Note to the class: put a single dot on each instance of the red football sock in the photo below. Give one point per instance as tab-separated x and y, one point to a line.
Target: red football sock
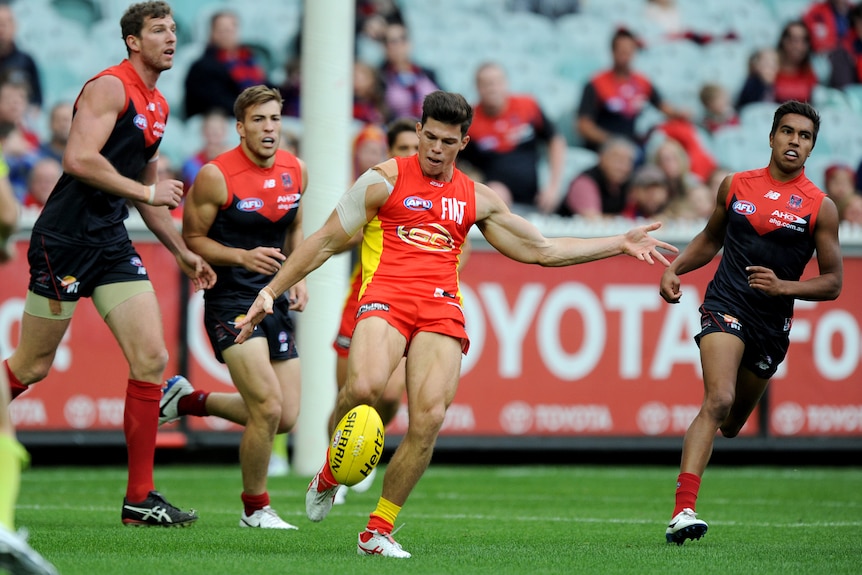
194	403
140	424
16	388
377	523
687	486
254	502
327	479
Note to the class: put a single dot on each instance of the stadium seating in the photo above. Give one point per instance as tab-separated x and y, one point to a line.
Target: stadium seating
552	59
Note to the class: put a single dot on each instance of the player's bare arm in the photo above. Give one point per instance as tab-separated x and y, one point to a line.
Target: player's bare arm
825	286
100	103
159	221
518	239
356	208
700	250
204	200
297	294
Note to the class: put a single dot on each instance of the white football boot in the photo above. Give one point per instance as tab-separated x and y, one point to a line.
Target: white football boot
374	543
19	558
174	389
685	525
319	503
265	518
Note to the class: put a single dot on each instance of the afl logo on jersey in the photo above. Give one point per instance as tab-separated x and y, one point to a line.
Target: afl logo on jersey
417	204
744	208
249	205
140	122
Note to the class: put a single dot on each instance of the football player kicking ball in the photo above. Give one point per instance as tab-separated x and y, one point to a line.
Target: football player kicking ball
769	221
416	213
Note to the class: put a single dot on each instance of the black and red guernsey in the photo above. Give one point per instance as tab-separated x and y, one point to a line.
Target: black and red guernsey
769	224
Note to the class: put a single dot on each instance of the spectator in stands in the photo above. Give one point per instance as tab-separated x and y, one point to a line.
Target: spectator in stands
406	83
368	100
505	139
224	70
372	19
16	64
850	210
759	85
828	23
59	125
20	144
613	99
214	133
718	111
290	88
13	108
550	8
673	161
839	182
601	190
648	193
846	59
43	177
373	16
369	149
289	141
796	77
9	209
713	181
697	204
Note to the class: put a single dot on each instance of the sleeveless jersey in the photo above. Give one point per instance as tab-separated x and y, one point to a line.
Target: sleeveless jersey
261	205
81	214
414	242
769	224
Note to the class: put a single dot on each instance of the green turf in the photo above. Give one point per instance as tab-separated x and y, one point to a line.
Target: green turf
464	520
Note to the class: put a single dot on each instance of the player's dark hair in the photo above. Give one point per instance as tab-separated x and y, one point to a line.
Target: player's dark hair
255	96
449	108
800	108
132	22
397	127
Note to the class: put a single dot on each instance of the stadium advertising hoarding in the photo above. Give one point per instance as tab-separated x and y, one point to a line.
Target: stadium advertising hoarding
590	350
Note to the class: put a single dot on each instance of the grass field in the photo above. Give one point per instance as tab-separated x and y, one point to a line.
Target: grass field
464	520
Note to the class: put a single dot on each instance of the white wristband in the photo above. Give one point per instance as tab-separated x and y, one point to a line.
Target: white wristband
152	194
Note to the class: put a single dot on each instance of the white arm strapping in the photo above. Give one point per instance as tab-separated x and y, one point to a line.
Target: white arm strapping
351	206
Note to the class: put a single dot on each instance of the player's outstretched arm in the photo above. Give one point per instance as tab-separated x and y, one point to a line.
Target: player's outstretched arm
699	250
518	239
308	256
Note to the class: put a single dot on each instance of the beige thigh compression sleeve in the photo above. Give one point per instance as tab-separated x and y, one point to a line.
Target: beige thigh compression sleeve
40	306
109	296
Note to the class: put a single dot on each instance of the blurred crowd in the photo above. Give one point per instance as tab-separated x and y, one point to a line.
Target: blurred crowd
599	166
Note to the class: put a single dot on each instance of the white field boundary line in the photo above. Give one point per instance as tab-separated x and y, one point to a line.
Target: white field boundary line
488	518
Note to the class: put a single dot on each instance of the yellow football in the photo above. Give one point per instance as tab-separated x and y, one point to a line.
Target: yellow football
357	445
